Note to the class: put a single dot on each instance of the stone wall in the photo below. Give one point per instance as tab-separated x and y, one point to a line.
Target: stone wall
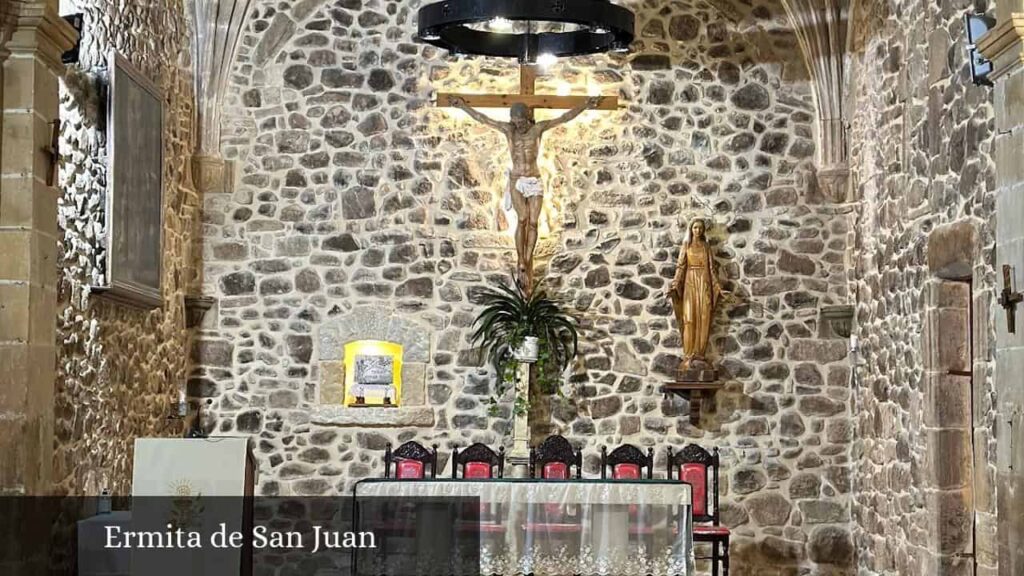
1003	48
32	38
921	149
353	190
119	368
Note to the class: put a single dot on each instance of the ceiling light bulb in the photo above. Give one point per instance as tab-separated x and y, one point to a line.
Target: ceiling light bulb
500	24
546	60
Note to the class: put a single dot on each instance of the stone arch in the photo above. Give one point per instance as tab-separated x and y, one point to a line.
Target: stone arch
953	250
374	323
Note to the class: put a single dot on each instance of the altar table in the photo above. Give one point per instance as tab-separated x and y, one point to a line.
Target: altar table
556	527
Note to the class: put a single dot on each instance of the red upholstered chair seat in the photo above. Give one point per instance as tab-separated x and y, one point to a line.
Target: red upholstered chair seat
706	531
627	462
477	470
478	462
556	471
696	475
409	469
703	529
489	528
626	471
553	521
553	527
482	470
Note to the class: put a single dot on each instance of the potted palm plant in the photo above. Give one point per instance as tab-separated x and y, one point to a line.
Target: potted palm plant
514	328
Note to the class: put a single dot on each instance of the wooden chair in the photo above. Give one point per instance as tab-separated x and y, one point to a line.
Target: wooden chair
692	465
555	458
480	462
411	461
627	462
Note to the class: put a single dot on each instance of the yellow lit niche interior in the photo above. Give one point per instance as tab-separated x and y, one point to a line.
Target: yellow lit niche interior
365	373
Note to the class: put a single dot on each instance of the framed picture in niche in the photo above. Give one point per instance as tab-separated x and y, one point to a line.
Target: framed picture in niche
134	203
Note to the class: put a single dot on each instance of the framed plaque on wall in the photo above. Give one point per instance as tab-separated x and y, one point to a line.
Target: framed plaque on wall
134	203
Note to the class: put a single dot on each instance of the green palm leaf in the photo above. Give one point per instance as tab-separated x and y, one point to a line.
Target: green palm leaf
508	316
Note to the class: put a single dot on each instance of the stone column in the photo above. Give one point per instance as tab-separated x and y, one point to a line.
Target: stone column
519	457
1004	46
217	27
820	27
28	248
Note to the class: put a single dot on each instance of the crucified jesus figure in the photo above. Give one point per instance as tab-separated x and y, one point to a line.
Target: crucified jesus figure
524	183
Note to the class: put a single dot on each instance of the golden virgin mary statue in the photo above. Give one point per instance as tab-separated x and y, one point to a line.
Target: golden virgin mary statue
695	293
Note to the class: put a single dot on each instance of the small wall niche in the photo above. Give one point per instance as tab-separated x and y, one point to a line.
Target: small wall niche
373	352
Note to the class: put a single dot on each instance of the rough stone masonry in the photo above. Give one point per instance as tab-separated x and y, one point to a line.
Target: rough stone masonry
354	191
360	210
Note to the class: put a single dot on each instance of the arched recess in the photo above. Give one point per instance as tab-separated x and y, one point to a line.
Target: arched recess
376	323
821	29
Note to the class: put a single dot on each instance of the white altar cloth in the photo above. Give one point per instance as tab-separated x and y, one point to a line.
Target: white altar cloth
551	528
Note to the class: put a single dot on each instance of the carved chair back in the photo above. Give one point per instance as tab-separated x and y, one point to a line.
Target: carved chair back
411	461
694	465
555	456
478	461
627	462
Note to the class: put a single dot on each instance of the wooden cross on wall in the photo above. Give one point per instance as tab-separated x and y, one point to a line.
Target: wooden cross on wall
525	144
527	95
53	151
1009	299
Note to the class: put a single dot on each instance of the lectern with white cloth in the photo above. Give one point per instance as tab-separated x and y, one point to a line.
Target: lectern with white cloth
194	484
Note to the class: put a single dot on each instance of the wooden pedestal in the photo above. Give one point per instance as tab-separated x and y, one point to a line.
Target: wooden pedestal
695	391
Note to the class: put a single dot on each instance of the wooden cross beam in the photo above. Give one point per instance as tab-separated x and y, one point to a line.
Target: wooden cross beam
1009	299
527	95
53	151
523	147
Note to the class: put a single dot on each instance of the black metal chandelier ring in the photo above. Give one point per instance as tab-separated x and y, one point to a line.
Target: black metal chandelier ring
525	29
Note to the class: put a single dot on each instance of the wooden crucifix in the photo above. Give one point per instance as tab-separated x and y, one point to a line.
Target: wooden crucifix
53	151
1009	299
524	134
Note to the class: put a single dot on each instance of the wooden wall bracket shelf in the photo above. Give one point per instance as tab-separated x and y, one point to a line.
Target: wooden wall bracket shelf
694	392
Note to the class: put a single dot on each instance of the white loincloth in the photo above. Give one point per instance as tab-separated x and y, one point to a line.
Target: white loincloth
529	186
